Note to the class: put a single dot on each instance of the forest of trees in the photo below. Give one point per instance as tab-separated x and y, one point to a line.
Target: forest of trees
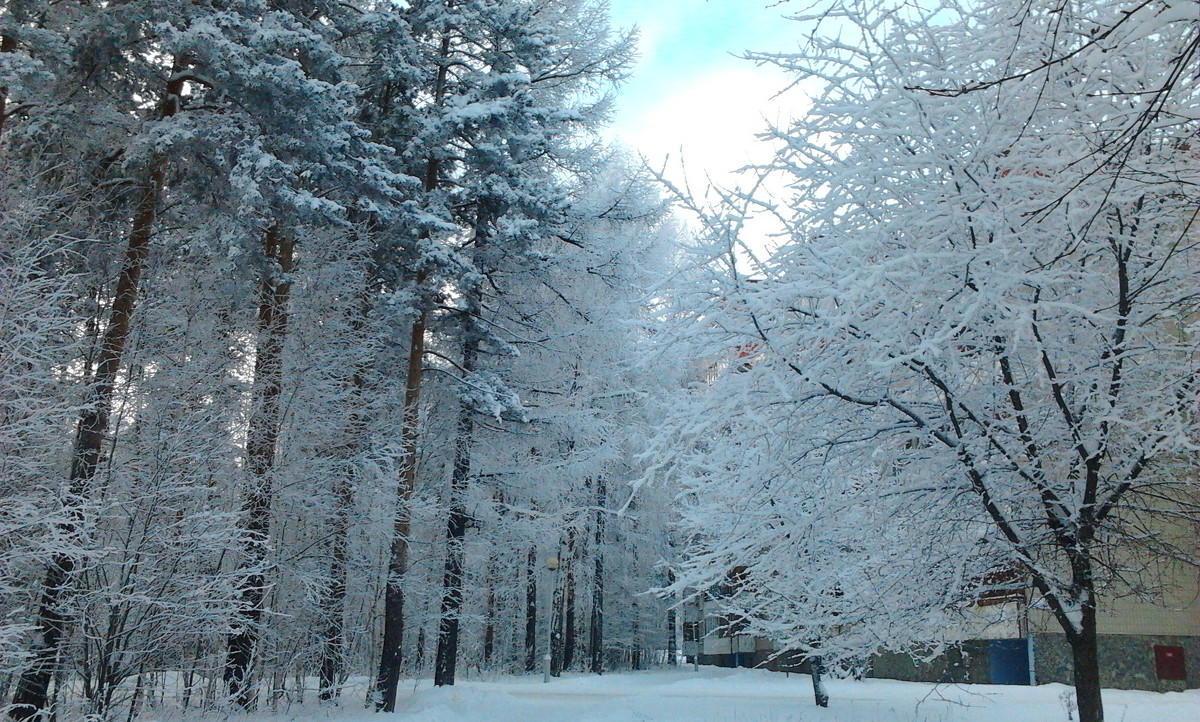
316	345
335	341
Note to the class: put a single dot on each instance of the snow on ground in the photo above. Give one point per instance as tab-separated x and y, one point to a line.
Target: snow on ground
742	695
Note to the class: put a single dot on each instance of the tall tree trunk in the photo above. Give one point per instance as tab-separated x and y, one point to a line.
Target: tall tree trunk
568	644
489	623
672	628
456	525
569	635
456	530
596	631
391	657
262	439
556	618
32	695
531	572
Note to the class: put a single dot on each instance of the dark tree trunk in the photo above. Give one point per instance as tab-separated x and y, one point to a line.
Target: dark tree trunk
635	655
1077	618
672	625
556	625
1086	666
391	656
596	631
262	438
32	696
569	637
456	530
531	610
568	644
460	475
816	669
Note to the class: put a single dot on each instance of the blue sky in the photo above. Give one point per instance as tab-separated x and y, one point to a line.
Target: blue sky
682	40
690	96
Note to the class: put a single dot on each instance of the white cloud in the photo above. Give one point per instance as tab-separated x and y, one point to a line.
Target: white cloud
692	101
703	132
711	123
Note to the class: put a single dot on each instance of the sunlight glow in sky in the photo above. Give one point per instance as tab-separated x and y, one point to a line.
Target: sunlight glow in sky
690	97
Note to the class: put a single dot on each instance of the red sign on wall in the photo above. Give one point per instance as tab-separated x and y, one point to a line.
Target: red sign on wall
1169	662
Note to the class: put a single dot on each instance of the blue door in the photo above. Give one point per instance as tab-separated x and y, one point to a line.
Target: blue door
1009	661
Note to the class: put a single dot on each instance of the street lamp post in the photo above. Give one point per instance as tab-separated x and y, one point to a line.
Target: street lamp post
552	565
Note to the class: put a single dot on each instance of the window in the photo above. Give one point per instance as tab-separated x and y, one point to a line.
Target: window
1001	585
1169	662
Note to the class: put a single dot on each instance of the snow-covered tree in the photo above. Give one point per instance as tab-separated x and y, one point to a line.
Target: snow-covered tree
578	327
981	322
38	317
239	237
238	116
509	93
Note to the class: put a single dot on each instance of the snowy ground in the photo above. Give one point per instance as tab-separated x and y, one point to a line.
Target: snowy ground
726	695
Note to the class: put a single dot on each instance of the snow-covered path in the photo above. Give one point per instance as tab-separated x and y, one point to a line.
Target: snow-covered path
725	695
